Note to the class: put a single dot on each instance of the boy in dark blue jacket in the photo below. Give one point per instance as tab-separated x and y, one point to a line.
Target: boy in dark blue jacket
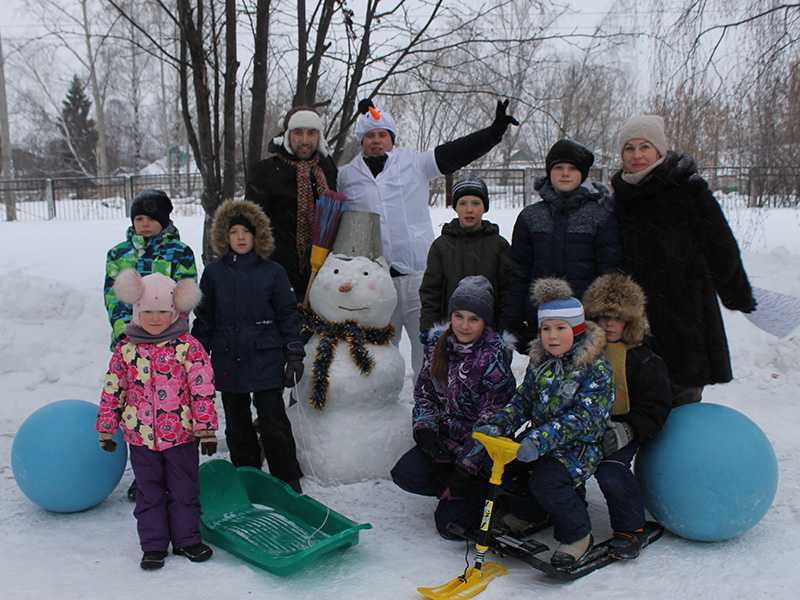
248	322
571	234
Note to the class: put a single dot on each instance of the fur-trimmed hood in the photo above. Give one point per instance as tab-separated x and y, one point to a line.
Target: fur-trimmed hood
617	295
264	243
584	353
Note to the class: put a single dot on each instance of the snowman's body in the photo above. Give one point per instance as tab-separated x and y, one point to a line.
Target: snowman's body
364	428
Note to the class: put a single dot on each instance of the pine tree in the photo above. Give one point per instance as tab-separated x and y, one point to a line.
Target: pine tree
78	133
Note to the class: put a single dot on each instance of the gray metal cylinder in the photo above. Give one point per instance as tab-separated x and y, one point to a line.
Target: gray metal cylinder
359	235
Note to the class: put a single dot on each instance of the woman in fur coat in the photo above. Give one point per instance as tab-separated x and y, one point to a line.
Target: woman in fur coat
679	247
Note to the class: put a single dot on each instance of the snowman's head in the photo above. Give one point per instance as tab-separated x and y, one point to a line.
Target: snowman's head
354	289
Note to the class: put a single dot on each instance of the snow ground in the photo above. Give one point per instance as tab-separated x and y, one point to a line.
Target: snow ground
53	345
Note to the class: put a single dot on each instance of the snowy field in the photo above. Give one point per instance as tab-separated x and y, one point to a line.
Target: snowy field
54	345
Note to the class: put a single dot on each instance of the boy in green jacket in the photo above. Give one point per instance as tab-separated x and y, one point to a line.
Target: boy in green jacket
152	245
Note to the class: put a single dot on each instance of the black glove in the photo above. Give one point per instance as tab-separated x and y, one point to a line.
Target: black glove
751	308
618	435
523	341
501	119
108	445
293	372
428	441
364	105
457	485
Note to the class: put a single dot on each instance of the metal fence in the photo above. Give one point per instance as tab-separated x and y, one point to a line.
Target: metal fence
89	198
85	198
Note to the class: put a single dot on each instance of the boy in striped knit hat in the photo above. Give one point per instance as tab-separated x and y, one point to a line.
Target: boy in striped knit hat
559	415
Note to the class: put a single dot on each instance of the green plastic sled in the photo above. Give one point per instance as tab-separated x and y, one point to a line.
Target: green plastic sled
265	522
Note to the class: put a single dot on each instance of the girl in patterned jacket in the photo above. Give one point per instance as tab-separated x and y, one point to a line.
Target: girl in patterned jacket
160	389
559	415
465	379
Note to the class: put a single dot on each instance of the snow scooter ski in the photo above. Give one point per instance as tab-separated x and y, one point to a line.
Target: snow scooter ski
475	579
527	549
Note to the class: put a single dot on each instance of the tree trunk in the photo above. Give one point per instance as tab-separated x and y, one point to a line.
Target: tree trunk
98	96
201	141
320	47
302	59
5	131
229	103
258	109
5	140
349	102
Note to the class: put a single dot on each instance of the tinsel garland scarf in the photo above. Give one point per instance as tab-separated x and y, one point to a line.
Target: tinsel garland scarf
330	334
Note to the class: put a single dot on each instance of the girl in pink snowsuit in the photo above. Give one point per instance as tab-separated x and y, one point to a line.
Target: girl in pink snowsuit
160	389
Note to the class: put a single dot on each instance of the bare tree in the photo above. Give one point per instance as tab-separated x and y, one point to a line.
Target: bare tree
83	29
258	90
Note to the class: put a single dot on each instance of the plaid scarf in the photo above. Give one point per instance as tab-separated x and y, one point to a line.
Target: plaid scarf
330	334
305	204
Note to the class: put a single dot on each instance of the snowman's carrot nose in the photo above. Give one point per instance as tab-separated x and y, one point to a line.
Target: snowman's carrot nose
345	287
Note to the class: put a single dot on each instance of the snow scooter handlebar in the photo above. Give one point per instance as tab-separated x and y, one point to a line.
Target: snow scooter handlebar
475	579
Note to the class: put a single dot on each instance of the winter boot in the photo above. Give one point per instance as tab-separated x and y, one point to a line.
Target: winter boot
132	491
295	485
153	560
568	556
626	545
199	552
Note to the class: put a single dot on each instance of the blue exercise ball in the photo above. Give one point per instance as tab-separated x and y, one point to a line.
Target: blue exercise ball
57	460
709	475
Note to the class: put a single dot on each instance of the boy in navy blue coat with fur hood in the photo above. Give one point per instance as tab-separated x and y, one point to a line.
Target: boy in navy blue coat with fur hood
248	322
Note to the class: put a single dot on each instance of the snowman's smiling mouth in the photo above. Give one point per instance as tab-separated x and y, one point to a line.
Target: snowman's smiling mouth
353	309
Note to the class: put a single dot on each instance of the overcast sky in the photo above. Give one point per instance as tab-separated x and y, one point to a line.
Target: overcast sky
14	23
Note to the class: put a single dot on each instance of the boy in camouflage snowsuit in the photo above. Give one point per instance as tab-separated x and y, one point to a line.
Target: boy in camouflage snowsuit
562	408
153	245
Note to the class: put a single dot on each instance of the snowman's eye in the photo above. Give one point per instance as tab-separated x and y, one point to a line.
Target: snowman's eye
366	274
336	271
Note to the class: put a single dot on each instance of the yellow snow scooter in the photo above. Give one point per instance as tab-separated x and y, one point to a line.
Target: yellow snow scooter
475	579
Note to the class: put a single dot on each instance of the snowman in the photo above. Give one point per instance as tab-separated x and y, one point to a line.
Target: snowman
349	422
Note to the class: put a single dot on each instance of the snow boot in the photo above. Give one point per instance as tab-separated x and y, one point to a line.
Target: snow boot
198	552
132	491
568	556
626	545
152	560
295	485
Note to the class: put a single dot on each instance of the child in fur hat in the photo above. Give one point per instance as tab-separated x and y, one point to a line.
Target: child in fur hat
559	415
248	320
160	389
152	245
642	404
466	377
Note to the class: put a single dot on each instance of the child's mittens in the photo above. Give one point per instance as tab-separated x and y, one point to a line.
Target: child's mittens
293	372
208	442
428	441
106	443
618	435
528	450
